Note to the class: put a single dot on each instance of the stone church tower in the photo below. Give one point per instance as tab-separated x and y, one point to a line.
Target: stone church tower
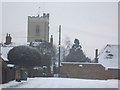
38	28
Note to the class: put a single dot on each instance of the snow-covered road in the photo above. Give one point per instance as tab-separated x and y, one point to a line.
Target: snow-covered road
61	83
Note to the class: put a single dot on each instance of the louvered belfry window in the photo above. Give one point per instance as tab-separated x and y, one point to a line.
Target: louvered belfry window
37	29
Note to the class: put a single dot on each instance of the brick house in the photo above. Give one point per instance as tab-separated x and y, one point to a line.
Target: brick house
8	70
106	66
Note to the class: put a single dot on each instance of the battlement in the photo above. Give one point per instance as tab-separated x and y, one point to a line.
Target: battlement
43	16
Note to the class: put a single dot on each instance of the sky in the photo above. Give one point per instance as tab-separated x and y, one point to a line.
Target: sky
95	24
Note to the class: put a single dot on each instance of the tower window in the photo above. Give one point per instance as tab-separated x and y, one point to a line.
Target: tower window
37	29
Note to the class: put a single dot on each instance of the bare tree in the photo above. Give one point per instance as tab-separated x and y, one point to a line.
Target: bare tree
48	54
66	48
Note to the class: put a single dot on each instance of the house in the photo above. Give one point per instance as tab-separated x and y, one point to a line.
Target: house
8	71
105	66
109	58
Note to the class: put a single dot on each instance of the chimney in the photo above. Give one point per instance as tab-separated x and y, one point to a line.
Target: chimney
43	14
48	15
6	42
96	56
51	40
8	39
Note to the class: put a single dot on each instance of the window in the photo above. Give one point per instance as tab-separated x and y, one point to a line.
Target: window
37	29
107	51
109	56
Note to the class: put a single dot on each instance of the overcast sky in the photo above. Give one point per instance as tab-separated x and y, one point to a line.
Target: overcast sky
95	24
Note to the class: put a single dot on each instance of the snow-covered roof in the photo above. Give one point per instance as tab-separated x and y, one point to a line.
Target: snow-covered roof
4	52
77	63
108	57
15	44
10	65
36	43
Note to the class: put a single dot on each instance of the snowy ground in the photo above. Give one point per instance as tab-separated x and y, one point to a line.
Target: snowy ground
61	83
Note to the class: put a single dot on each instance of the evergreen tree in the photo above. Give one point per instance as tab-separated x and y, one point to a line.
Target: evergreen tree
24	55
76	54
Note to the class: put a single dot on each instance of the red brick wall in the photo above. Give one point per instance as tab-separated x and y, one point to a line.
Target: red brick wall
87	71
113	73
34	73
8	75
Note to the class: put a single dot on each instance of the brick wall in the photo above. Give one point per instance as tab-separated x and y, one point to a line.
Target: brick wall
34	73
113	73
8	75
83	71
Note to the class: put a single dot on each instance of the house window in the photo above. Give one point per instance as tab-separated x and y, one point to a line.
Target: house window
109	56
107	51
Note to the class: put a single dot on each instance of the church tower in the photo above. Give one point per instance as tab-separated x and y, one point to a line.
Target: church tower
38	28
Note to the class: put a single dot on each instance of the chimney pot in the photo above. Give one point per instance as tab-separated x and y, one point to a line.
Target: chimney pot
48	15
96	55
51	40
8	39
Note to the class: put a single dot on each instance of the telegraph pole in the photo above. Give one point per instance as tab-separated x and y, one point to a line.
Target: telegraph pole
59	49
